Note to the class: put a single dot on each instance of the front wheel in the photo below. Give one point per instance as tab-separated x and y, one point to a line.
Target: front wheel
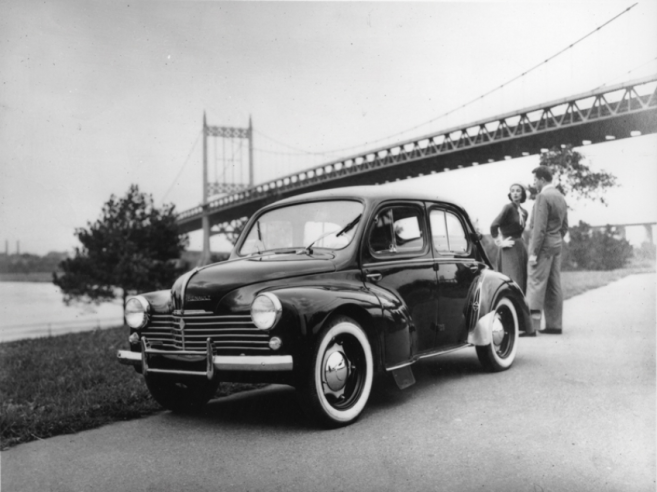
500	353
338	381
181	394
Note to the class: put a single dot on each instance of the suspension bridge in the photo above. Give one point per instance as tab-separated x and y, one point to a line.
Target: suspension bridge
614	112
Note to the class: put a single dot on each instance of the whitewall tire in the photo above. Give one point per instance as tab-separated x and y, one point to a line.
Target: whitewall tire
339	376
501	352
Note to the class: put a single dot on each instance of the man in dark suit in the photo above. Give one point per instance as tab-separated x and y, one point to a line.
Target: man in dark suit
549	224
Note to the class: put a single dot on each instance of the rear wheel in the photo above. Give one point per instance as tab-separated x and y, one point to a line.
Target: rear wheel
338	380
181	394
500	353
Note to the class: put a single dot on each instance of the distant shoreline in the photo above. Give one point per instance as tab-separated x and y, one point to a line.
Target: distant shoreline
45	277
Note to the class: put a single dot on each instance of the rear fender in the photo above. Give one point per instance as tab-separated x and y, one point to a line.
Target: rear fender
491	287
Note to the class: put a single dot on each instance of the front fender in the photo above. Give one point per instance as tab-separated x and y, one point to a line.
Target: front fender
313	306
159	301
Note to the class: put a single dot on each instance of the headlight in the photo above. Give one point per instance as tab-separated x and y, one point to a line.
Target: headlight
266	311
136	312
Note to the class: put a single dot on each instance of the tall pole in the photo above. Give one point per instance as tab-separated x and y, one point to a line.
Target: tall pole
205	255
250	153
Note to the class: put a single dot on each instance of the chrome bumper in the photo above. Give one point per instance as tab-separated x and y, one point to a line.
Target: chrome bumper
255	363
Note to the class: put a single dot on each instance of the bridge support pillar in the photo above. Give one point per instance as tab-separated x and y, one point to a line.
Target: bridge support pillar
649	237
216	187
206	255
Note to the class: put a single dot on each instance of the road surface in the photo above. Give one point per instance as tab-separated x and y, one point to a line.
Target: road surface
576	412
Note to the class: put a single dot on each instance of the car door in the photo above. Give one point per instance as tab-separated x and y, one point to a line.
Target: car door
456	270
397	257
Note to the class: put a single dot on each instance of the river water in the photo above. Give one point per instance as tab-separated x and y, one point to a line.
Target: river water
36	309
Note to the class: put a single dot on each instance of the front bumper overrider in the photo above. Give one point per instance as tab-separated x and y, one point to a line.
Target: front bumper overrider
249	363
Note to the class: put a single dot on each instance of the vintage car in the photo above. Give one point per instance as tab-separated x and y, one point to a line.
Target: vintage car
322	291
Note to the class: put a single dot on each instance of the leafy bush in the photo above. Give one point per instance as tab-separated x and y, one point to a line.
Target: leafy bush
597	250
647	251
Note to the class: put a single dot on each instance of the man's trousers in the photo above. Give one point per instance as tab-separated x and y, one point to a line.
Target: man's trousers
544	289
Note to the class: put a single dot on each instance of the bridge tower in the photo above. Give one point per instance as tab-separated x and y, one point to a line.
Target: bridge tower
216	187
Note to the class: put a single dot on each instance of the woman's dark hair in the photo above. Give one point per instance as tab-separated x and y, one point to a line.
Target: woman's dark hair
523	196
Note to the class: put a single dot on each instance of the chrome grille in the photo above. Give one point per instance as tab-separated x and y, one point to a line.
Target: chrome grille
228	333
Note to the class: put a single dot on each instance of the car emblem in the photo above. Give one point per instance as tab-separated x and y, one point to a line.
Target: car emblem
181	324
198	298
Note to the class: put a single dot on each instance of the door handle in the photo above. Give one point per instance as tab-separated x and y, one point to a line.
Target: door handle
374	277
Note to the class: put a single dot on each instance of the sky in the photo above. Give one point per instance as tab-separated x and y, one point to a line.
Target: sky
98	95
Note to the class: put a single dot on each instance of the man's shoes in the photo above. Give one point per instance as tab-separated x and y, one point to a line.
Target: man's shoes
551	331
526	334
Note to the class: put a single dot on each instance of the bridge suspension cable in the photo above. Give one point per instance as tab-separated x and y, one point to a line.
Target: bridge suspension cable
275	152
182	168
482	96
627	73
300	151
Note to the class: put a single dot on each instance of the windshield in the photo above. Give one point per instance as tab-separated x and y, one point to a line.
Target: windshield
301	227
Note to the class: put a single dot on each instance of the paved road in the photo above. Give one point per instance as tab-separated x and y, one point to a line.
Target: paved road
575	413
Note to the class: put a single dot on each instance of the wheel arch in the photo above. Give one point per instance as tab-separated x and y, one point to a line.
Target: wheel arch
368	324
511	291
520	303
492	286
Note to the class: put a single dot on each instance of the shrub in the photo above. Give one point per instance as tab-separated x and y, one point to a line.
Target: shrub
598	250
647	251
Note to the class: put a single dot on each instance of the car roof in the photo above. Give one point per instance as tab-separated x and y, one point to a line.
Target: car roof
372	193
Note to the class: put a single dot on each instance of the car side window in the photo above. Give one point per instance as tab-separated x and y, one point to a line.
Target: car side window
457	240
447	233
397	230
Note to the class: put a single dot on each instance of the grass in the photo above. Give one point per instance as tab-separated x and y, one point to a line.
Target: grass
69	383
574	283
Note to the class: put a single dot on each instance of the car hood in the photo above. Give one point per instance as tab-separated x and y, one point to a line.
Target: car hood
205	287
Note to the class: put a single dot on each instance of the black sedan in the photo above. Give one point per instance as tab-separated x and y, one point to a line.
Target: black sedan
322	291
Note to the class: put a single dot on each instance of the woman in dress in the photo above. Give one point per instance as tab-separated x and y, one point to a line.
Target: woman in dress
507	231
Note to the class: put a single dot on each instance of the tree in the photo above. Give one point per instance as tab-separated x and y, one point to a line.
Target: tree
131	248
232	229
572	177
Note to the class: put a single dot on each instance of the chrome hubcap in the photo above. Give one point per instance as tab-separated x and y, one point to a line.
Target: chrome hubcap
336	371
498	330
